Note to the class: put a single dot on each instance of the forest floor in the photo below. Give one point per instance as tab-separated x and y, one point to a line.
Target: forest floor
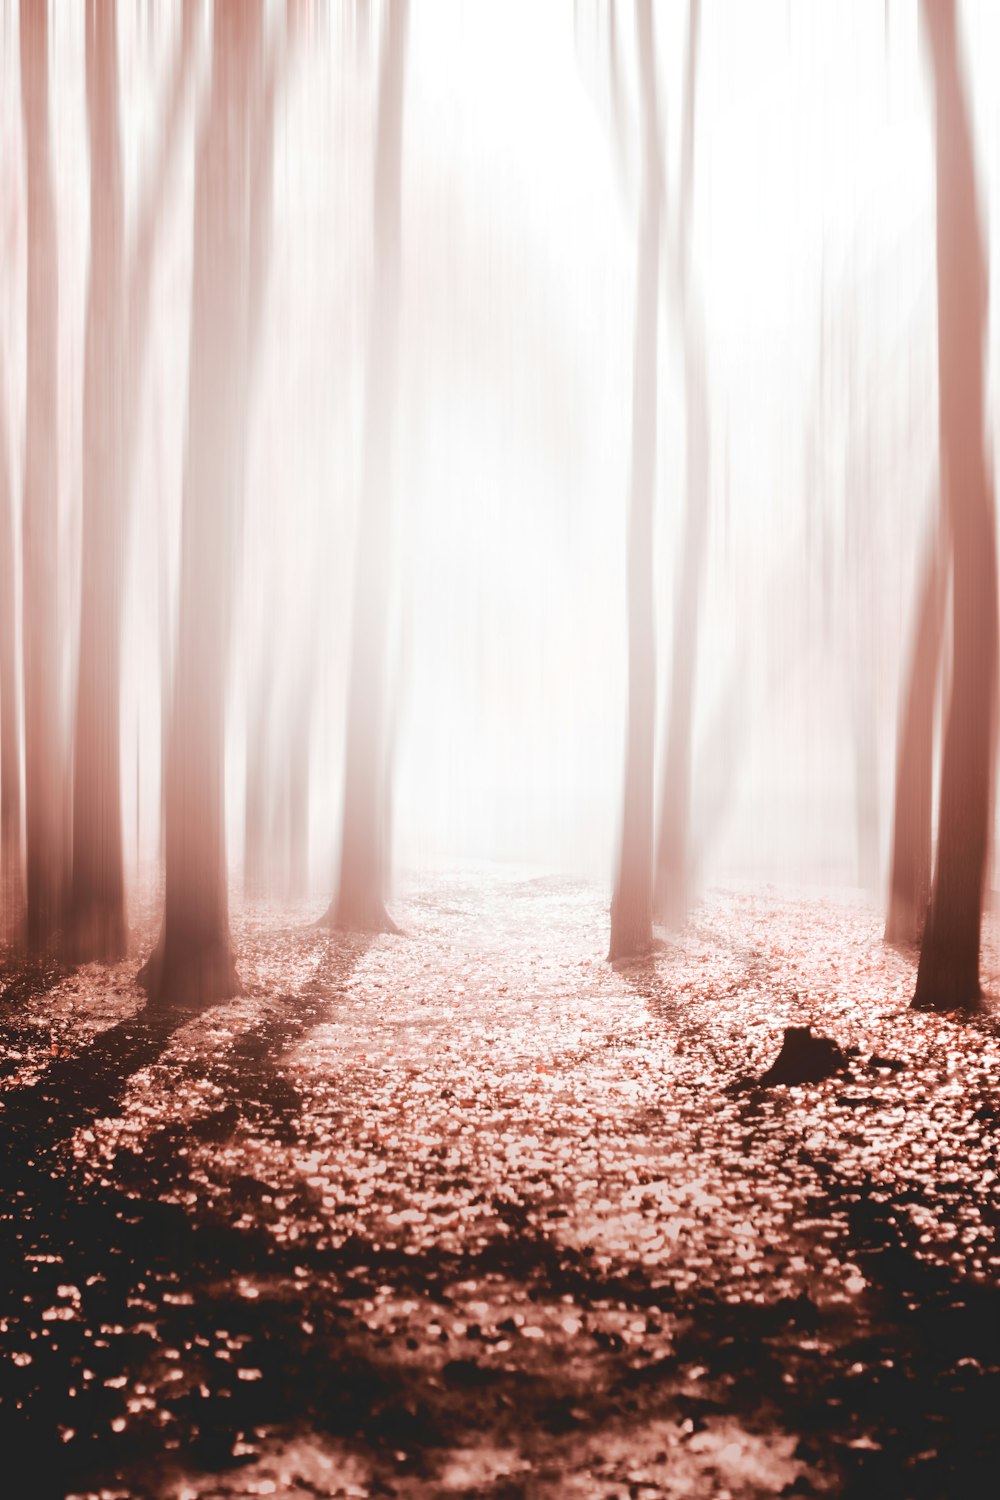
469	1212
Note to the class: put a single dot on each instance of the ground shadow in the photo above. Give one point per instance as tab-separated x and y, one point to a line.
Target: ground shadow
115	1271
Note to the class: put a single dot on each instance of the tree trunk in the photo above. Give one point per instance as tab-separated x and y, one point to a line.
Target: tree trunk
673	861
297	887
98	884
948	974
910	870
118	315
671	890
257	798
866	799
44	784
360	901
193	963
11	874
632	901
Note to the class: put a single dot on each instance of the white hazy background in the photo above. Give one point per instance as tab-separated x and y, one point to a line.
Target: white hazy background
813	241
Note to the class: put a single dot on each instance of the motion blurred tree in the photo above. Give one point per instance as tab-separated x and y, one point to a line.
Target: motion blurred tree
11	880
193	962
910	870
258	807
948	973
98	897
359	904
671	889
632	899
43	731
118	316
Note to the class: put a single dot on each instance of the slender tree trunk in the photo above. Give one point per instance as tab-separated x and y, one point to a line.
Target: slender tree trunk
98	887
44	786
295	777
258	810
632	900
256	804
673	860
11	874
866	814
298	805
671	890
910	870
118	315
359	904
193	963
948	974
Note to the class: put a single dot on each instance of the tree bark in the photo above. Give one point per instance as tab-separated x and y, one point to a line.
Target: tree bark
910	869
359	904
118	315
43	731
671	890
948	973
97	906
257	799
193	963
632	900
11	873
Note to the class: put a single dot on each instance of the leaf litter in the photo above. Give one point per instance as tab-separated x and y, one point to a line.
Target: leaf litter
471	1212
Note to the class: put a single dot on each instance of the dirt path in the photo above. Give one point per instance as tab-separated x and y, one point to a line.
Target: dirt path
468	1212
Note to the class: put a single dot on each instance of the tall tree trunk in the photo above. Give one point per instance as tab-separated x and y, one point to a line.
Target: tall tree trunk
258	808
866	799
671	890
297	887
98	888
257	798
673	860
193	963
359	904
910	870
118	316
948	974
11	874
632	900
43	734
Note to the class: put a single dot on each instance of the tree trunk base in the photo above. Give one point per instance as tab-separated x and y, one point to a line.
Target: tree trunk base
632	945
903	927
357	916
97	934
945	987
189	979
670	906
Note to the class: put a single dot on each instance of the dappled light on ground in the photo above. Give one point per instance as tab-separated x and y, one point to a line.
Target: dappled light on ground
471	1212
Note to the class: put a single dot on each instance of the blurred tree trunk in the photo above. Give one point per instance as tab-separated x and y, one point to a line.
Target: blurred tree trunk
671	890
98	894
256	803
43	731
193	963
632	900
297	887
11	874
118	316
258	809
859	545
359	904
293	830
910	871
948	973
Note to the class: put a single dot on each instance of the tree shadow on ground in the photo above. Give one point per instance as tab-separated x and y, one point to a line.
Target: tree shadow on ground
893	1390
112	1274
24	978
